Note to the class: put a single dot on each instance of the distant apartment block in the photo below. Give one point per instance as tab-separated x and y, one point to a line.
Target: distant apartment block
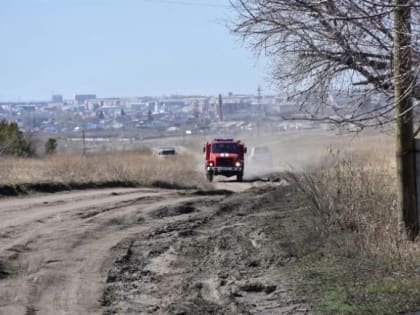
81	98
57	98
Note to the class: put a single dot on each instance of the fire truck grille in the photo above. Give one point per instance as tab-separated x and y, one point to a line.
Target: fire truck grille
224	162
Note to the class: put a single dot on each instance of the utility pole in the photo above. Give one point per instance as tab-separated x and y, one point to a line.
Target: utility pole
403	91
84	141
220	107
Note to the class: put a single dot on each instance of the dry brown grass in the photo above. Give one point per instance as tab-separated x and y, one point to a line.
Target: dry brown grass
137	167
353	194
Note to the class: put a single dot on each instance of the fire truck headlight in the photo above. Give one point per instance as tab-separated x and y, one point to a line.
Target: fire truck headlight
210	163
238	164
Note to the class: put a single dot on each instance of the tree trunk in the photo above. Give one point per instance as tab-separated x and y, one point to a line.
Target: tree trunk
403	79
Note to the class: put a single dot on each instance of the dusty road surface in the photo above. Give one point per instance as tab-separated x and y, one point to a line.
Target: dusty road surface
149	251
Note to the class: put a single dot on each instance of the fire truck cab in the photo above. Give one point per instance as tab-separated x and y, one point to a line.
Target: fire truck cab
224	156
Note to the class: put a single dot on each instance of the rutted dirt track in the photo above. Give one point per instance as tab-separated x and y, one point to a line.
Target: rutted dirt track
148	251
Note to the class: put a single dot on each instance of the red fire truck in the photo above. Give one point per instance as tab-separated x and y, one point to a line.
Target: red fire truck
224	156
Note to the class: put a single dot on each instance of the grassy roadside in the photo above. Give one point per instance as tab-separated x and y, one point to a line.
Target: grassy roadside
363	265
359	285
123	169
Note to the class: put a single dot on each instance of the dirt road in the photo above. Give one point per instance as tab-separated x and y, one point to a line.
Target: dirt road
147	251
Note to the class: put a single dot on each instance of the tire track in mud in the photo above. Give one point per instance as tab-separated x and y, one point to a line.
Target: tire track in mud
226	259
53	255
23	219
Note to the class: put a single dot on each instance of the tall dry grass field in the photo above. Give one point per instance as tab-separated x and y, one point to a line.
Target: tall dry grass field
136	167
352	193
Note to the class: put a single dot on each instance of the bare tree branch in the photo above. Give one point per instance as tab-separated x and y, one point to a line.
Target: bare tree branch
324	50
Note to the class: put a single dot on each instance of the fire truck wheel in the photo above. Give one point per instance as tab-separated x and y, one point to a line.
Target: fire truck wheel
239	177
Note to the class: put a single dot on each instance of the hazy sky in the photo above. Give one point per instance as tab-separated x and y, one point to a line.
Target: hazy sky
122	48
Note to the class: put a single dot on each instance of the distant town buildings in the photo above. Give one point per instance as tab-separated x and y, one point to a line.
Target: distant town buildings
170	115
81	98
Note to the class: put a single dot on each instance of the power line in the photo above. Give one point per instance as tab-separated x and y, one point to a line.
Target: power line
189	3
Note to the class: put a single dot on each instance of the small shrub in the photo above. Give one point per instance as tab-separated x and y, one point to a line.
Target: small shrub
51	146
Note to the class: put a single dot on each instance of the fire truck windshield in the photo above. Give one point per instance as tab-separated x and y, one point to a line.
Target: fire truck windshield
224	148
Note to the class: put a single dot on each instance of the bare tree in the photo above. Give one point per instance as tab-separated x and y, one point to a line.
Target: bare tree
359	49
326	48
